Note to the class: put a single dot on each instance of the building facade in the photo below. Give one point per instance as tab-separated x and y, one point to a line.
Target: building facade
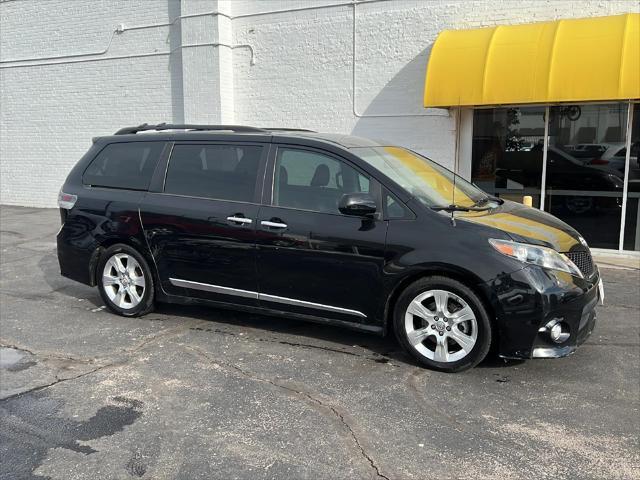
73	70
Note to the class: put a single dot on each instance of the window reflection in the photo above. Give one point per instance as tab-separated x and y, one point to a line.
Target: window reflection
585	170
584	181
507	152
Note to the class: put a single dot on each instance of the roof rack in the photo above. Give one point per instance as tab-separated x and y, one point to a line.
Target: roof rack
168	126
289	130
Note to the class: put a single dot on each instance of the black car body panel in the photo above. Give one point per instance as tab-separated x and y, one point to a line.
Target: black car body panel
319	266
529	225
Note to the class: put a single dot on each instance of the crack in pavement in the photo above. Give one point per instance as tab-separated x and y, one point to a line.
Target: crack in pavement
129	354
57	381
45	354
307	395
169	332
318	347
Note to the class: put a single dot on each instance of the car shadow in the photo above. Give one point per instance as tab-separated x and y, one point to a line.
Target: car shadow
380	349
230	322
50	269
345	340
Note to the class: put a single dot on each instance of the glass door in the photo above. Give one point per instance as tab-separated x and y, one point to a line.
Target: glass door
585	170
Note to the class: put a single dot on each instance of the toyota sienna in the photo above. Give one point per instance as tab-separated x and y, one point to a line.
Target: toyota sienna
325	228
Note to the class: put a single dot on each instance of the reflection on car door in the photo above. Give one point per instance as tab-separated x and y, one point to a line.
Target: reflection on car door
201	228
311	258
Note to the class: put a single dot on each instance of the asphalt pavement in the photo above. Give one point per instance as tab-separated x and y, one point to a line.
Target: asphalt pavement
192	392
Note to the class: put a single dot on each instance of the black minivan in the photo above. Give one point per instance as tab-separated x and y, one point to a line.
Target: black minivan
327	228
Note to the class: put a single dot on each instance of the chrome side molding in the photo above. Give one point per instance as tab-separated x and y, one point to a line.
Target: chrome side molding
303	303
207	287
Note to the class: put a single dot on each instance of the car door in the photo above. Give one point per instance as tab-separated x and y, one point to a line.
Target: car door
312	259
200	226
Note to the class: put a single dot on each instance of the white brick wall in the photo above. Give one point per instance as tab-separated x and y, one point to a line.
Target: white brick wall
302	76
49	113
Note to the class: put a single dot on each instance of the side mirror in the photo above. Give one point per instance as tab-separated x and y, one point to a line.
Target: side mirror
358	204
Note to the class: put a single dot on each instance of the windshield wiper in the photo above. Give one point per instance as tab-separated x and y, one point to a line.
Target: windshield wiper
456	208
483	201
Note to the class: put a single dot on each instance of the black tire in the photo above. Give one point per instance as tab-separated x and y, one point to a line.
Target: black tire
146	303
483	335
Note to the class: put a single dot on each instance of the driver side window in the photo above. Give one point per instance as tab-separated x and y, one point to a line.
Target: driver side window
313	181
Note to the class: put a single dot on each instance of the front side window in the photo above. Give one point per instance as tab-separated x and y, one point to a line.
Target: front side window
425	180
124	165
222	172
313	181
395	208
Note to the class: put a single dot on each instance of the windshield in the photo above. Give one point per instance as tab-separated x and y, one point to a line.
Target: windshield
427	181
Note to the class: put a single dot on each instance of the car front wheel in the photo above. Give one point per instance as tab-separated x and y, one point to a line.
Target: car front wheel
442	324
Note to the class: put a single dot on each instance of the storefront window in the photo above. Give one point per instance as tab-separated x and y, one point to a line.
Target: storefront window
585	165
632	219
507	152
585	169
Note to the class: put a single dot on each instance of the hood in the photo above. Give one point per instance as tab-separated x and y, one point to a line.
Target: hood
526	224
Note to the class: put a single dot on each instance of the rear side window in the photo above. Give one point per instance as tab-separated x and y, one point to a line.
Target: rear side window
222	172
124	165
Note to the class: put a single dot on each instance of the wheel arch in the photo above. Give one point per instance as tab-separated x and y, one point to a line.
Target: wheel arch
107	242
460	274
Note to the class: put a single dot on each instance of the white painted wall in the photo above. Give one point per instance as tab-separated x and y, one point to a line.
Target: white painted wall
302	76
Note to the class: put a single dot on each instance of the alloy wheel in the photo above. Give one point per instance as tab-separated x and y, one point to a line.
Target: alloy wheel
123	280
441	326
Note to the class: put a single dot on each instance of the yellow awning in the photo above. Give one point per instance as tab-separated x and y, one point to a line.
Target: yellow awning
587	59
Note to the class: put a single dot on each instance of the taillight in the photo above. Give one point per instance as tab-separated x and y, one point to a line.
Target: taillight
599	161
66	200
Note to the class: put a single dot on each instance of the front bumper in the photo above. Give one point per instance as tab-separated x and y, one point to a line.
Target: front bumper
527	300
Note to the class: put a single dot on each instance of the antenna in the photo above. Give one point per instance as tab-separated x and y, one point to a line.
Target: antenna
453	200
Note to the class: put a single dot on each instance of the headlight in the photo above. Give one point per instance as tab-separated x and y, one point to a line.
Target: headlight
541	256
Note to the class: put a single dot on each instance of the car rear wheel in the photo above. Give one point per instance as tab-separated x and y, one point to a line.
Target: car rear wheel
443	324
125	281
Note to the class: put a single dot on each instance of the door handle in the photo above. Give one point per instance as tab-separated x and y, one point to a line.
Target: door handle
267	223
235	219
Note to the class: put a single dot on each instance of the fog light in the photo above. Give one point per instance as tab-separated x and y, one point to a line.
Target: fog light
555	332
558	331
